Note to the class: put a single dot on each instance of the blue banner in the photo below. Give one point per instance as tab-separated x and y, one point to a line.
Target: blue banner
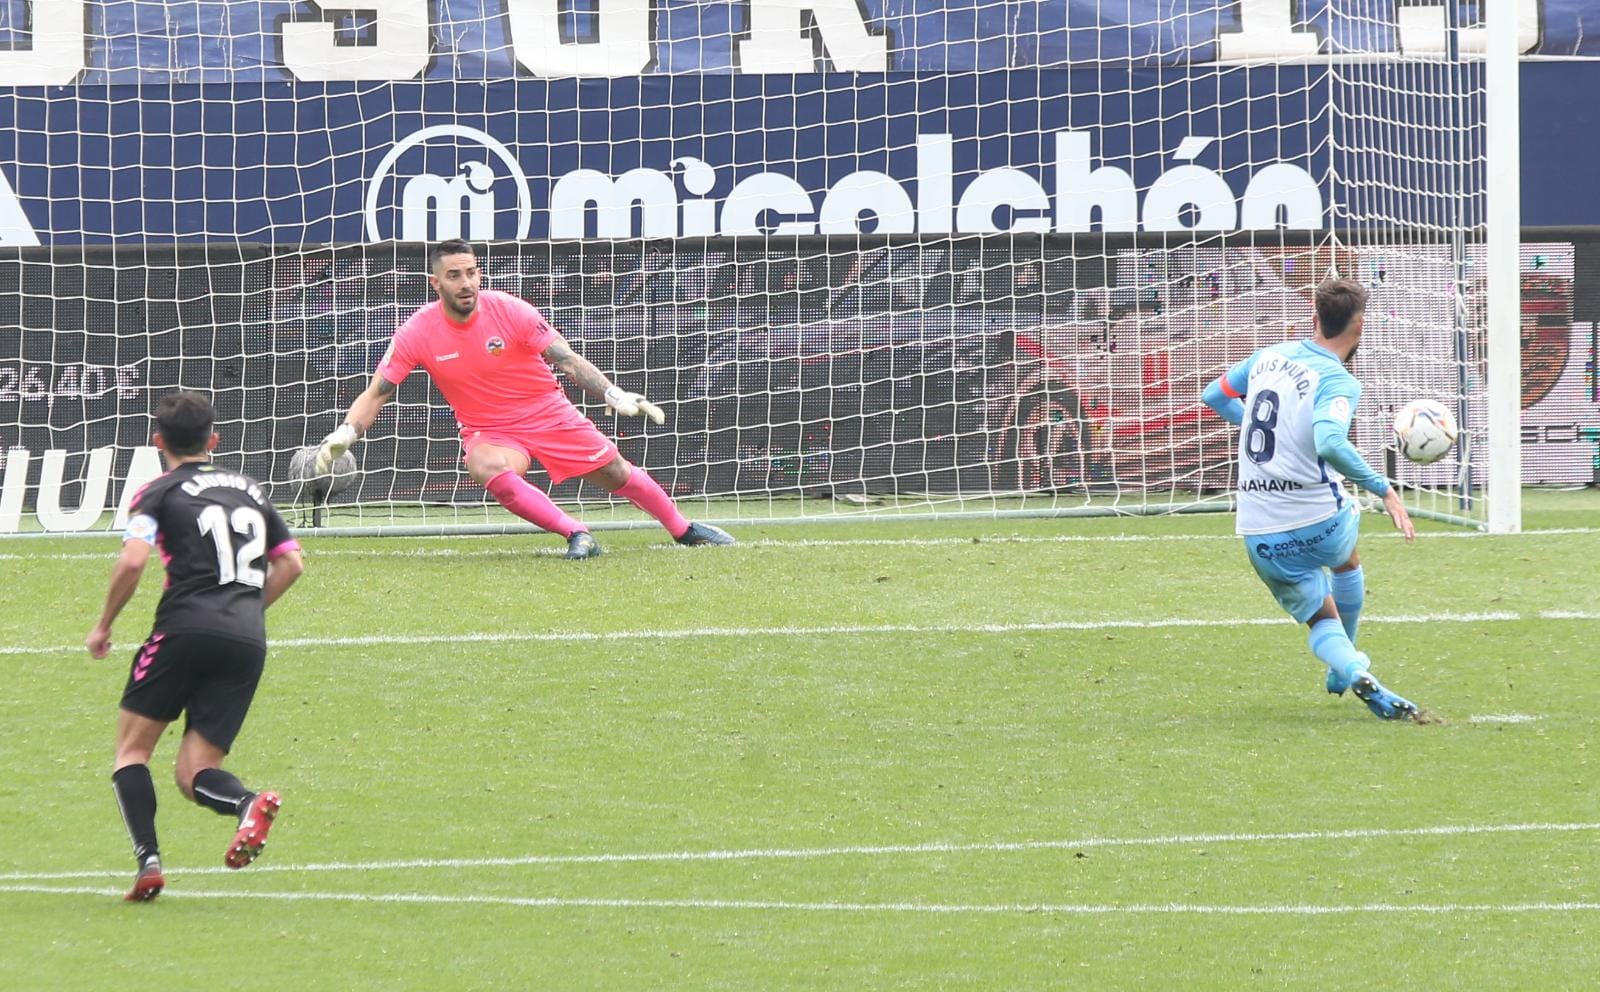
155	41
1106	150
279	122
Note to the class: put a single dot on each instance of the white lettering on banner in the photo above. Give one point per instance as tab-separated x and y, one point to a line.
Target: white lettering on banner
754	197
1190	186
1080	189
146	465
998	188
623	48
778	41
32	381
446	201
936	182
648	203
782	37
430	199
1268	31
613	200
867	194
1282	187
96	477
698	179
402	35
12	488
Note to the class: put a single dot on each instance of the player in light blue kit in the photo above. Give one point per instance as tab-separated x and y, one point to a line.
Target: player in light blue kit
1294	402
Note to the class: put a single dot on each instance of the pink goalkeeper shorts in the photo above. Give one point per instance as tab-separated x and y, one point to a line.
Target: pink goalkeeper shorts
567	446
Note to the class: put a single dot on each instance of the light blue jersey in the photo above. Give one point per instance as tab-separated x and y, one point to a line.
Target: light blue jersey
1294	402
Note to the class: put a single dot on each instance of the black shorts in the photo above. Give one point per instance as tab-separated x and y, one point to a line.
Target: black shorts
211	676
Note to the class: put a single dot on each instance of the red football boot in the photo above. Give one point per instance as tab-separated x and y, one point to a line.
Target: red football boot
253	827
148	883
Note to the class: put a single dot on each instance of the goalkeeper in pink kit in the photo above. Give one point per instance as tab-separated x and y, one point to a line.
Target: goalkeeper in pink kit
491	355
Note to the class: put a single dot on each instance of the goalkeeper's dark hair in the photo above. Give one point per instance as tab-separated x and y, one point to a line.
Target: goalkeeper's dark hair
184	419
454	246
1339	302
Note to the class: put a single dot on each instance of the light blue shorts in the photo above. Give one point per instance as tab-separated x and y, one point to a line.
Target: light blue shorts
1292	563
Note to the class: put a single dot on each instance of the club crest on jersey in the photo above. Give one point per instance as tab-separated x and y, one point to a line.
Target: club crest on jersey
495	345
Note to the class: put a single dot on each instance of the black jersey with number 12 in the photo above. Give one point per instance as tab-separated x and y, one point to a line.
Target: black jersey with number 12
216	530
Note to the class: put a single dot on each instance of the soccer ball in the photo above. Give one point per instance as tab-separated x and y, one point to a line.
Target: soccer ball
1425	431
309	487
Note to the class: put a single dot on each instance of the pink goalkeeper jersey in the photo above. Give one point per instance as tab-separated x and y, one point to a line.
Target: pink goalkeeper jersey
491	369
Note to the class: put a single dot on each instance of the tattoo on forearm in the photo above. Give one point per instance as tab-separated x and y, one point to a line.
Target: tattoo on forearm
558	354
360	422
579	369
588	378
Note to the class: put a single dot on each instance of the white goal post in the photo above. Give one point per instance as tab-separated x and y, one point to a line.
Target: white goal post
1504	236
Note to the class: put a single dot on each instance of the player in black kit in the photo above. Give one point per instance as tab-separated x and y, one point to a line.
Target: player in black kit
228	556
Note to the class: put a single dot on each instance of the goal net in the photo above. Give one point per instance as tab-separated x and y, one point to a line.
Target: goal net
899	258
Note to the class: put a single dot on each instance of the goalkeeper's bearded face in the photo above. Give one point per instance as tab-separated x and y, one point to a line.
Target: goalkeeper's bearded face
456	279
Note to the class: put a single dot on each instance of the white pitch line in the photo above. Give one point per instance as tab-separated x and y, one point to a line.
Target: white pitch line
1502	718
868	850
838	630
904	542
555	551
1022	908
521	549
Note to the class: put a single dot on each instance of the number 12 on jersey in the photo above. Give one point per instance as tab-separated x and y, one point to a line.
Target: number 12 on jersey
247	523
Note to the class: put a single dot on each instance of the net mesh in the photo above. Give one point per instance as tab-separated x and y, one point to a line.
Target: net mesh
855	291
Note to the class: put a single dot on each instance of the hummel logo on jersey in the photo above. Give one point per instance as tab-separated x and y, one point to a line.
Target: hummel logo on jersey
147	654
599	453
446	358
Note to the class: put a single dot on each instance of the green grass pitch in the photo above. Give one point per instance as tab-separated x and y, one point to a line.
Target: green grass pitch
1080	754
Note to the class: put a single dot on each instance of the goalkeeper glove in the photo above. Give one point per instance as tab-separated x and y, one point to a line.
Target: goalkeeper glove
333	446
633	405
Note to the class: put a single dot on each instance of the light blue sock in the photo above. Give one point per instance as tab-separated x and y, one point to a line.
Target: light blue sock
1332	645
1349	592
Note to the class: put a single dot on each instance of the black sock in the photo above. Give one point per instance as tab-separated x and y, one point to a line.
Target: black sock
218	790
136	797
